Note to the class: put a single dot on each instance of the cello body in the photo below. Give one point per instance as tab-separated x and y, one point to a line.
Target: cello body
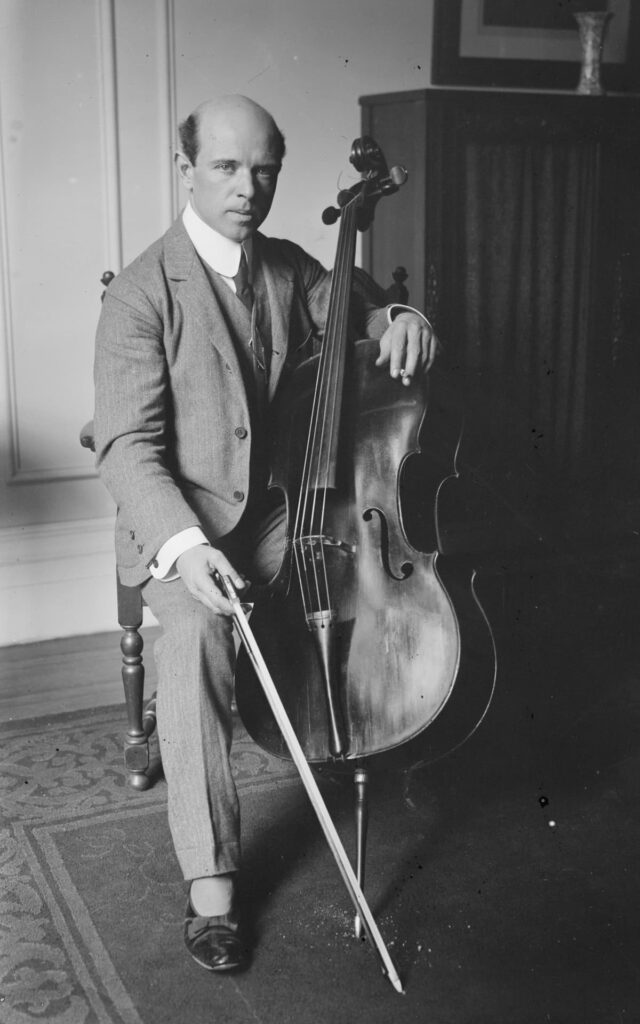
401	663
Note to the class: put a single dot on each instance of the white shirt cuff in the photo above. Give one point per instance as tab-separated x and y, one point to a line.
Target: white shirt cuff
163	566
397	307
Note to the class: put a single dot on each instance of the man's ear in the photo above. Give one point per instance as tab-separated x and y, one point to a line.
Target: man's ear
184	167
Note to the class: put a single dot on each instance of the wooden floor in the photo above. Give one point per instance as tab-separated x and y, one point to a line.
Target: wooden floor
71	674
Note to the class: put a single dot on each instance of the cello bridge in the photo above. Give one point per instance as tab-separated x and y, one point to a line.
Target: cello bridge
311	544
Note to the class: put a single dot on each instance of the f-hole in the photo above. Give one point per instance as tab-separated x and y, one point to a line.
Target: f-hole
406	568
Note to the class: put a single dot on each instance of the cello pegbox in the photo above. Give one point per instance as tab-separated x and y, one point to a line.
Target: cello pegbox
367	158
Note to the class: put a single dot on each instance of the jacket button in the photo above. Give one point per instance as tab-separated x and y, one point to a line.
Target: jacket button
238	495
241	432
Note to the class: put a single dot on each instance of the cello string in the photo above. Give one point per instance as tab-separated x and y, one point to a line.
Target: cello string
332	377
336	325
311	511
316	520
327	419
311	483
304	525
302	507
335	394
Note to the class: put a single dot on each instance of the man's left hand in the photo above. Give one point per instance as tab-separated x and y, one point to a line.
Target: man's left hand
409	346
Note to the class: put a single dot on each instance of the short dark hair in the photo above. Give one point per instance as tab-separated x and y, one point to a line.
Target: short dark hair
188	131
189	141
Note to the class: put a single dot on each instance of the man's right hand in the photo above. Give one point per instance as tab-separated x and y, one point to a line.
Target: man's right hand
196	567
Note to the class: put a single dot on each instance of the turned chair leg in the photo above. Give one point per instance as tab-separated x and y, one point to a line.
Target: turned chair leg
141	722
361	781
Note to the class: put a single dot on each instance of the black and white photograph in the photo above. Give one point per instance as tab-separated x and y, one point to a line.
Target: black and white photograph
319	511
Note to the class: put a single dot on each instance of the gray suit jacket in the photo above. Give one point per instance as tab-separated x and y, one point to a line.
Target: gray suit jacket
171	408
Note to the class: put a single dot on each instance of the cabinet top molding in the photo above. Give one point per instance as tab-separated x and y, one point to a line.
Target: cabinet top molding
551	97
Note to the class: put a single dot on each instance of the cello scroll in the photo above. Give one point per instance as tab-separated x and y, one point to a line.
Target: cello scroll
377	181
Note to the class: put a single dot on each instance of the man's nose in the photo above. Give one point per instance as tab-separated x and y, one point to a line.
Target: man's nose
246	184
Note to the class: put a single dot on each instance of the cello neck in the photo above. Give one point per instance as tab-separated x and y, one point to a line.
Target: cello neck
324	431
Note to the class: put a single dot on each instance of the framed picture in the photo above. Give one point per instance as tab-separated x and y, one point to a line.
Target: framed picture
531	44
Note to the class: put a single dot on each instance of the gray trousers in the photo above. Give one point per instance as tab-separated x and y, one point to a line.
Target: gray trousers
195	659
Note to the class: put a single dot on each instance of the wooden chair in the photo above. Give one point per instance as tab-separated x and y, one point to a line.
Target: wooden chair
141	718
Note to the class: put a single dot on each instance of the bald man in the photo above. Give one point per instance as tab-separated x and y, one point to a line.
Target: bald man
193	340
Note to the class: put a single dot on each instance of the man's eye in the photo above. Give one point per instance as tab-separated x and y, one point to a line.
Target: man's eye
268	173
225	165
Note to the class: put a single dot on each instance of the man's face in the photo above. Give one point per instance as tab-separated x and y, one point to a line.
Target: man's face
234	178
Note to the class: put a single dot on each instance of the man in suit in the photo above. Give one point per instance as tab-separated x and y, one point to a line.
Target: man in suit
193	339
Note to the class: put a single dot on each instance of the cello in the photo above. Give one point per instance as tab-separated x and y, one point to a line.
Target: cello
380	649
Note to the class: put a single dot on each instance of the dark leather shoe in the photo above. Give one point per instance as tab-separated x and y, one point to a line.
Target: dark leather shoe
215	942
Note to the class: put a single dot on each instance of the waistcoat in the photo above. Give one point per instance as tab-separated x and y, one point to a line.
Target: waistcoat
239	322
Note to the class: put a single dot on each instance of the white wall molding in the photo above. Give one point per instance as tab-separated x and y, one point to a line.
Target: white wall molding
57	580
106	56
7	318
168	110
38	476
23	545
110	133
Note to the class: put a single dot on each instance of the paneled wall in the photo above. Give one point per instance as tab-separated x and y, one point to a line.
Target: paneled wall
90	92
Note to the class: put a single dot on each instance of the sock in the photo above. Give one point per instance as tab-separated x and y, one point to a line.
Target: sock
212	896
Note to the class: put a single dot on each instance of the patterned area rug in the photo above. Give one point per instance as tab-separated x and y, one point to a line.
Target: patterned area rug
490	912
74	836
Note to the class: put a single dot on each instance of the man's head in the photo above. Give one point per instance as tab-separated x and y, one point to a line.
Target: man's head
230	157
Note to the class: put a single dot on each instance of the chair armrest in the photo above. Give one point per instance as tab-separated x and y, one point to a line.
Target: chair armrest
87	439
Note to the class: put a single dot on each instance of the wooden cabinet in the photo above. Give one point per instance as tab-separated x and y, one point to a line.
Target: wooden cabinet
520	229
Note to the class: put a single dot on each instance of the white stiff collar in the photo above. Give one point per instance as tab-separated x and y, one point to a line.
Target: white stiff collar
220	253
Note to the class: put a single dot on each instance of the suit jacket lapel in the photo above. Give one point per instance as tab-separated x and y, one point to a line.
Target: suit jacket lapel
183	265
196	294
279	284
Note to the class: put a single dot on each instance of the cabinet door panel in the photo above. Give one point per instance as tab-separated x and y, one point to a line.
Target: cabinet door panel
530	245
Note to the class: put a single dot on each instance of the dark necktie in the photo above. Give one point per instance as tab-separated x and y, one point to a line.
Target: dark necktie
244	291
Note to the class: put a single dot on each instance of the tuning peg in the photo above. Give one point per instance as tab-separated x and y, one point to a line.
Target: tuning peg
398	175
330	215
